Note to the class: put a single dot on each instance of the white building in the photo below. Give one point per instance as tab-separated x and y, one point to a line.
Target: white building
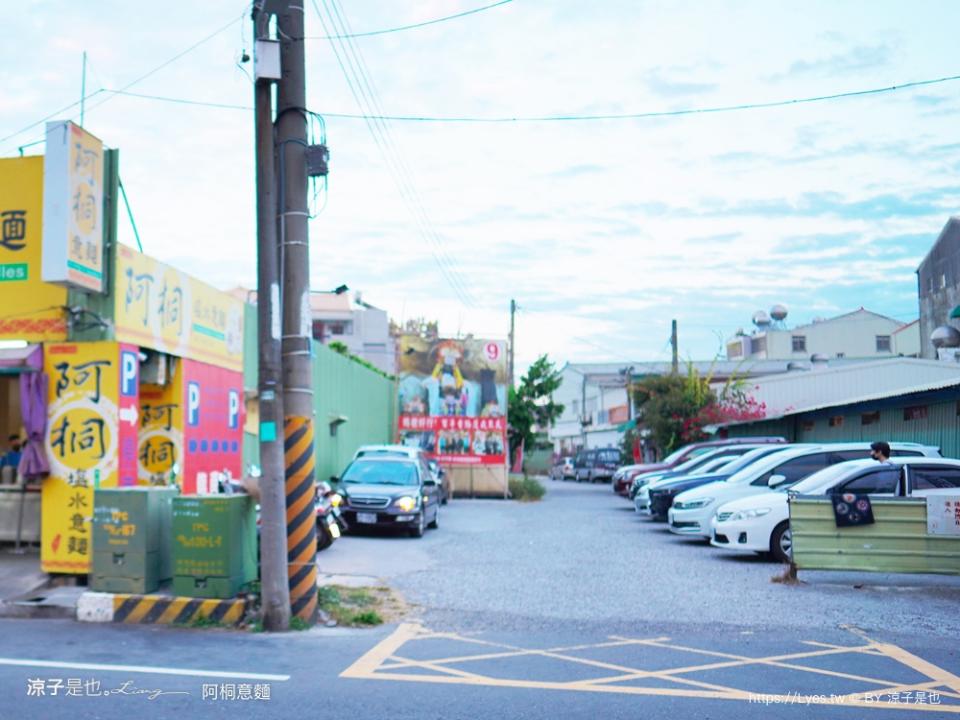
860	334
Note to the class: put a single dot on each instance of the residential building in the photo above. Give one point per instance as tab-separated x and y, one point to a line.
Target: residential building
938	285
859	334
343	316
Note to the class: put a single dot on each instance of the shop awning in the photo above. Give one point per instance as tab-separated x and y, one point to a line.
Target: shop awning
16	360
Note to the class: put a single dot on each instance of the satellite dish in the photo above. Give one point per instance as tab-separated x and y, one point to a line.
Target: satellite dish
761	319
945	336
779	312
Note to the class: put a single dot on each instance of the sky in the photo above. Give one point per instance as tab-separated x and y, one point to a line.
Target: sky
601	230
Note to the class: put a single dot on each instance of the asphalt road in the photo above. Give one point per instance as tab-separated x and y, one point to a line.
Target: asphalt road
572	607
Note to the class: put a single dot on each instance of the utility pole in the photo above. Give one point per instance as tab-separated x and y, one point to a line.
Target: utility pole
297	336
275	595
675	366
513	313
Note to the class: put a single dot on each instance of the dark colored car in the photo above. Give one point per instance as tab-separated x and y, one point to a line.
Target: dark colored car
391	492
582	464
622	485
605	463
661	496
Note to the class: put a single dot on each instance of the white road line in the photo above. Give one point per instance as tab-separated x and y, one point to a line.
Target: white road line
192	672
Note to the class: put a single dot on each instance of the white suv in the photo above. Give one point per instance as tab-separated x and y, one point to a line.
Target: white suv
761	523
693	510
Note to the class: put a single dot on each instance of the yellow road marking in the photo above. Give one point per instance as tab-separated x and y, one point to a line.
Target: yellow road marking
383	661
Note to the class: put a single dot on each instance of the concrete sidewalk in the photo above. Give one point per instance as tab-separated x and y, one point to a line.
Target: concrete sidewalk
27	592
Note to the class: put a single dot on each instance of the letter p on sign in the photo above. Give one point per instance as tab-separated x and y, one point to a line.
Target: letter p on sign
233	418
193	403
129	372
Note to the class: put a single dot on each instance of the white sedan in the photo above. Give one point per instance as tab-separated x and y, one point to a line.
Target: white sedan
694	509
761	522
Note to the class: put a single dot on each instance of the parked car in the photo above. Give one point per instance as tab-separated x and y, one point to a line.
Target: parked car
622	486
562	469
761	523
439	474
604	465
582	464
657	497
707	462
389	491
693	510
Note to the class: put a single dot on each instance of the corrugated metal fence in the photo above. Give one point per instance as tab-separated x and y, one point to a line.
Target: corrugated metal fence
353	405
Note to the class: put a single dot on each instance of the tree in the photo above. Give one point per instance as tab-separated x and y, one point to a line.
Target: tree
670	404
531	406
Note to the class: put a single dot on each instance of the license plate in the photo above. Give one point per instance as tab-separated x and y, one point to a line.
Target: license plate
367	518
334	528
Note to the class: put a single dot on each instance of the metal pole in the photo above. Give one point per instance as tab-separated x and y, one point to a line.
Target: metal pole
513	312
296	341
675	365
275	594
83	88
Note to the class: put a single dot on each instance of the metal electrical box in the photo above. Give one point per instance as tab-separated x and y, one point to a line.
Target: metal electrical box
266	60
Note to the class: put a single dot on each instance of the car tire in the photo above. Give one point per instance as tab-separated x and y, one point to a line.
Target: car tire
417	532
435	523
781	543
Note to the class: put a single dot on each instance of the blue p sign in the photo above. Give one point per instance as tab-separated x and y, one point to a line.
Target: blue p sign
129	373
193	403
233	403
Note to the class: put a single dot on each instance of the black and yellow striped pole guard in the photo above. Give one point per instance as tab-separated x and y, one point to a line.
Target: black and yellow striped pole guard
301	517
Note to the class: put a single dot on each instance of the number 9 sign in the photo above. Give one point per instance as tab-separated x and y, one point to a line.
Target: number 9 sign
492	351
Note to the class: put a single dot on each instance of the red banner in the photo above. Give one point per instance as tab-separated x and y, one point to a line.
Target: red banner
457	440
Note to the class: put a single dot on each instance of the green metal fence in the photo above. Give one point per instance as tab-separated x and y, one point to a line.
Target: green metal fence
353	405
897	542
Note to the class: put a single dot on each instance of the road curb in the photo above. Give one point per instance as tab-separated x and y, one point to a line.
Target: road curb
158	609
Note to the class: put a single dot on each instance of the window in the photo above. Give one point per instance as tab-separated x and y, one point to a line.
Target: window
871	418
883	343
917	412
318	330
841	355
341	328
807	425
796	469
799	343
873	482
943	281
575	408
836	421
934	477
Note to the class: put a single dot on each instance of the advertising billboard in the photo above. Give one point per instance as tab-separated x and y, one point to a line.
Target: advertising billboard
73	208
453	399
32	310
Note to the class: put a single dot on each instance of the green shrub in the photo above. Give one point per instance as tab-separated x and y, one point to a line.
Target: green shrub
525	489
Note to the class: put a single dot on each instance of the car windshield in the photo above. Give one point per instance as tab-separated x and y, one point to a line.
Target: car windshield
383	453
756	469
821	478
676	455
372	472
749	458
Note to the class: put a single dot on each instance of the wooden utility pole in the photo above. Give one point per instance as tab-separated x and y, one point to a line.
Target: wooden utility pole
675	366
275	595
513	313
297	335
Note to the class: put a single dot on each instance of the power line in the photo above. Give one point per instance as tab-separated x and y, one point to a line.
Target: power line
554	118
386	31
136	81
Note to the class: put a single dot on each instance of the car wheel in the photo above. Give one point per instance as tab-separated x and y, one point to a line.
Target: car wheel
781	542
417	532
435	523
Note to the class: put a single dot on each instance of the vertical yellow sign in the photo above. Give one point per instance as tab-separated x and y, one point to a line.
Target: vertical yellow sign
82	445
161	430
73	208
30	309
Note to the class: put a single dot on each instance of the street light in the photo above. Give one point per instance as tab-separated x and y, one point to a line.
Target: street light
627	374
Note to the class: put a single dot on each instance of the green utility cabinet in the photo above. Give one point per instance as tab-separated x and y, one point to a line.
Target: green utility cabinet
214	545
131	538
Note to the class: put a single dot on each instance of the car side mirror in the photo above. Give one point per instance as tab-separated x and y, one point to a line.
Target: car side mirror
429	482
776	480
334	479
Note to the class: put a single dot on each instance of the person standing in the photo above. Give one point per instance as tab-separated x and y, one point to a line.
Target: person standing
880	451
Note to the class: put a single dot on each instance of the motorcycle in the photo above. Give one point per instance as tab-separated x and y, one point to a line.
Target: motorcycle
330	523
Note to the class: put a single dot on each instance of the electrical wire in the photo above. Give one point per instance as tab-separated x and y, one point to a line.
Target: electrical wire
414	26
361	88
553	118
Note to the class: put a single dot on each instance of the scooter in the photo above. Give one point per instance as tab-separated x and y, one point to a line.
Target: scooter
330	523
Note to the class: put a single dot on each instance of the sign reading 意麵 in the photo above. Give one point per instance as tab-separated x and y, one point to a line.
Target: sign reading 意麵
159	307
73	208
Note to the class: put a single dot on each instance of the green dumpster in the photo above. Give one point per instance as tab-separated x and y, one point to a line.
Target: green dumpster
214	545
131	538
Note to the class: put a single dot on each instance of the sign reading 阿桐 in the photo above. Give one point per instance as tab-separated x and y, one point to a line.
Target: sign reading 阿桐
73	208
30	309
453	399
159	307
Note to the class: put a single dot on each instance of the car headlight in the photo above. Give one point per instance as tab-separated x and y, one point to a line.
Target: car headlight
406	503
693	504
751	513
336	499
